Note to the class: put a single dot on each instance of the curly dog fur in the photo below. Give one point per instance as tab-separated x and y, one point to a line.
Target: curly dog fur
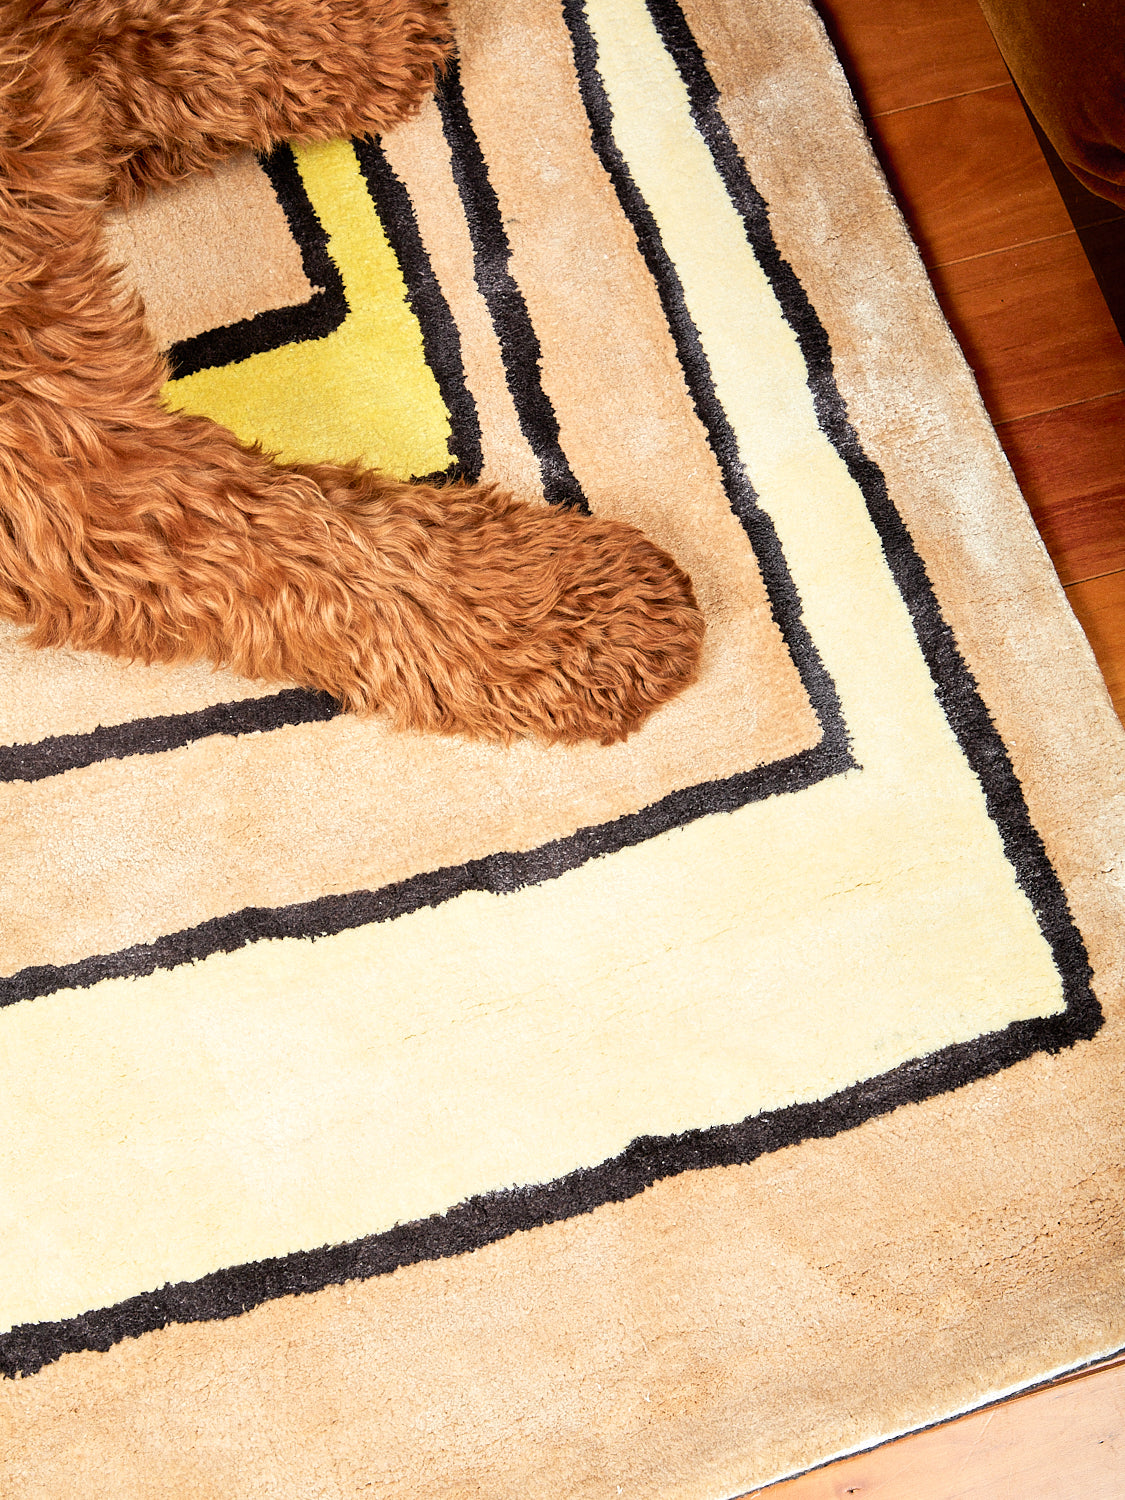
155	536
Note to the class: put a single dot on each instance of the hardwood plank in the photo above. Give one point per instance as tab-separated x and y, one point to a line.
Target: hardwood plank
1071	467
1099	604
969	175
1066	1442
906	52
1034	326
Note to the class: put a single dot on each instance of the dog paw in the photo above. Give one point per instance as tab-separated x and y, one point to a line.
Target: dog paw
501	619
606	629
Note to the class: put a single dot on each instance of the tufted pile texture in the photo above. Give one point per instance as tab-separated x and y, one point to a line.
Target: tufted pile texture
395	1113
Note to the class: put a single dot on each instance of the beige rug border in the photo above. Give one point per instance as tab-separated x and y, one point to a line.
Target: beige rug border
998	1398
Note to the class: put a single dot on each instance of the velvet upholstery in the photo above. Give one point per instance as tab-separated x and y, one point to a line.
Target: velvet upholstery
1068	59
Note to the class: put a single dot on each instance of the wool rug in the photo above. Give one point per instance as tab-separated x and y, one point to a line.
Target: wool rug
397	1115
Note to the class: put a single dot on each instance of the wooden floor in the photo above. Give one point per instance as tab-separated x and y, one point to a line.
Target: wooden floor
1012	276
1066	1442
1018	289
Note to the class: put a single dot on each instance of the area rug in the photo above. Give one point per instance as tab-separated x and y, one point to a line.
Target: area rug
401	1116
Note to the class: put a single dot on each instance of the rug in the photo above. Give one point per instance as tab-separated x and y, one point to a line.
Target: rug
395	1115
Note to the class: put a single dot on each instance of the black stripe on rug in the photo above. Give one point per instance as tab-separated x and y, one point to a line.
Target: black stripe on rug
499	874
490	1217
519	343
70	752
316	318
441	342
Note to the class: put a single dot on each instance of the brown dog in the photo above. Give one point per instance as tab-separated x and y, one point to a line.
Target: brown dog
156	536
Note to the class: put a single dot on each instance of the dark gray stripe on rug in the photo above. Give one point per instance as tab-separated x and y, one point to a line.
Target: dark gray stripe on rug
490	1217
316	318
519	344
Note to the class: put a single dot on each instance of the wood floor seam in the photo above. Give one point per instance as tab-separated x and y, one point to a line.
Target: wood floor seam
1047	411
1041	239
902	109
1093	578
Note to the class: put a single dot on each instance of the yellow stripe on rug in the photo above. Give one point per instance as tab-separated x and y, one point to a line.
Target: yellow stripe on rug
363	393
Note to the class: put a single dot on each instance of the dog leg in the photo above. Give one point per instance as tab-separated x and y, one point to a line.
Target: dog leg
184	83
156	536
